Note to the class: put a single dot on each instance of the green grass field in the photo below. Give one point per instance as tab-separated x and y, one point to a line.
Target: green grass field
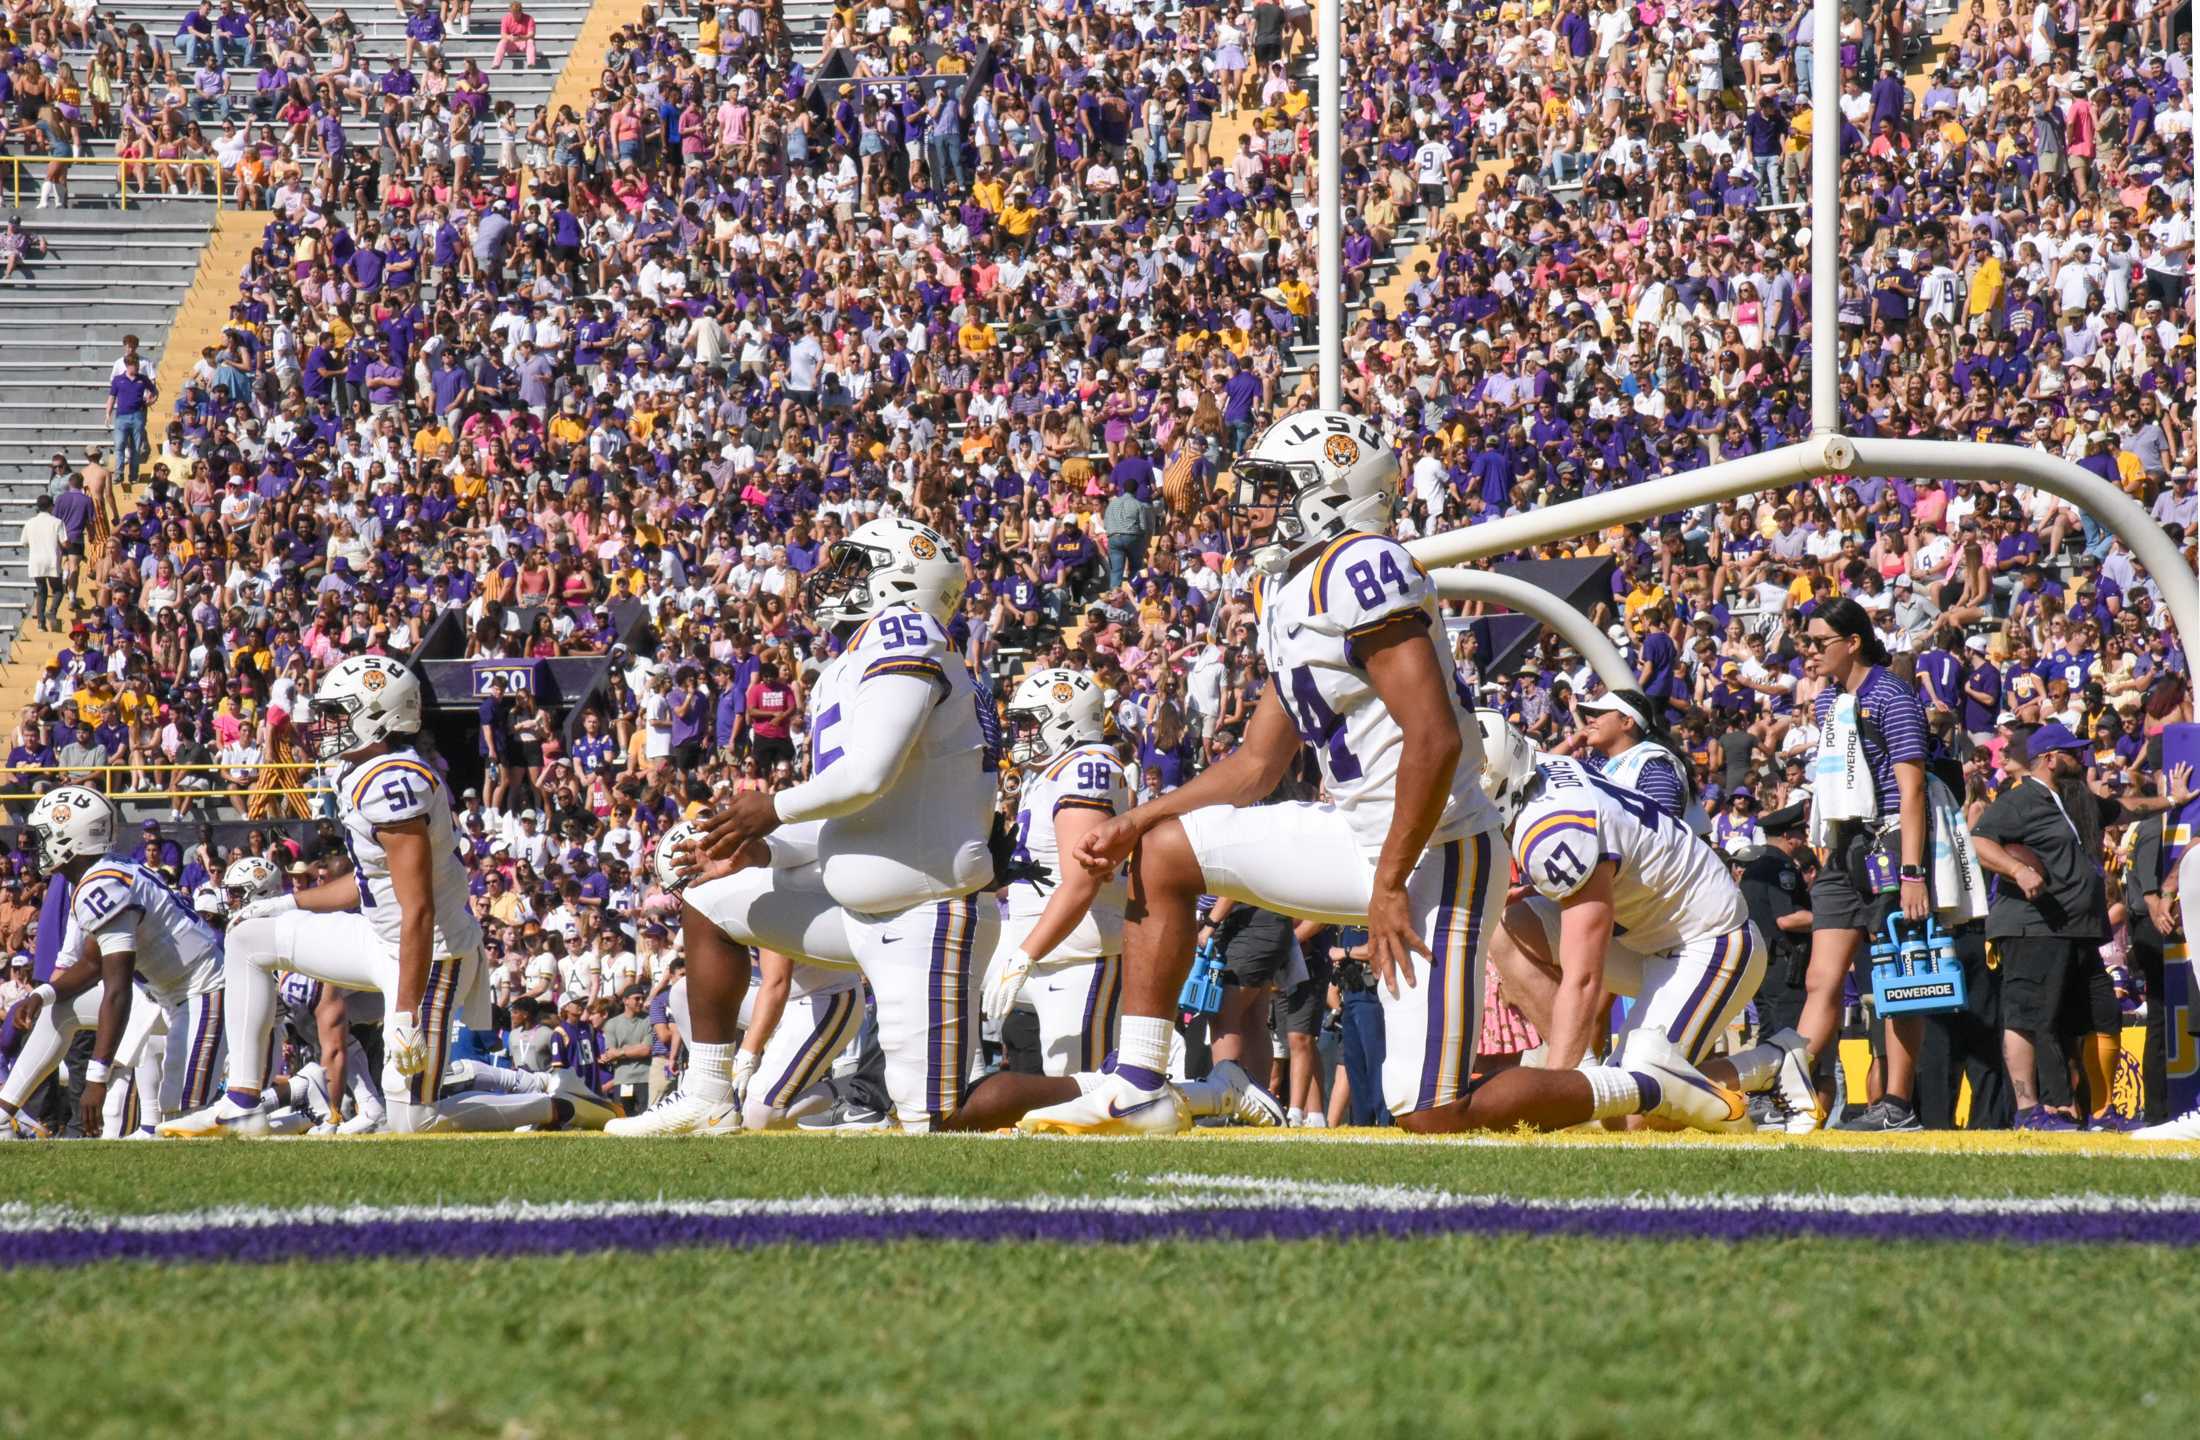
1475	1334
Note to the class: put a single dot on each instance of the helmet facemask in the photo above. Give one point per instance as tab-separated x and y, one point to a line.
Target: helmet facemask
1271	486
330	731
1028	743
840	592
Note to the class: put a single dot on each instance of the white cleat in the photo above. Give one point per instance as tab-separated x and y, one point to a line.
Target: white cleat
1684	1095
1792	1091
22	1127
317	1101
2184	1127
591	1111
678	1114
1241	1097
1111	1105
225	1117
360	1125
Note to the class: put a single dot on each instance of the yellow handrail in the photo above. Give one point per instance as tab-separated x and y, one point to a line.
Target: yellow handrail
148	765
12	795
122	165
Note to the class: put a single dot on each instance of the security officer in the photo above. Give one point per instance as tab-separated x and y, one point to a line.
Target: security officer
1779	905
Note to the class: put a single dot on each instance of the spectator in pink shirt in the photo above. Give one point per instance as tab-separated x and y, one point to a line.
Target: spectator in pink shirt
515	36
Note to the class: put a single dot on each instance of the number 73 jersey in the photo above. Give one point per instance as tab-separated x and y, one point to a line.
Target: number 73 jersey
390	790
1309	626
1669	887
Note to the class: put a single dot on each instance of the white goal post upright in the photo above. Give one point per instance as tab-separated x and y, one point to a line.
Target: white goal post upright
1329	170
1826	453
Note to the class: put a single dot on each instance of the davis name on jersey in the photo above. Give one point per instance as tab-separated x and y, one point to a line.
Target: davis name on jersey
390	790
120	905
1670	888
924	838
1086	777
1308	623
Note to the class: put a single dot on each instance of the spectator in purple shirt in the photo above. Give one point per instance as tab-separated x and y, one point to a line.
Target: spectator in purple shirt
129	396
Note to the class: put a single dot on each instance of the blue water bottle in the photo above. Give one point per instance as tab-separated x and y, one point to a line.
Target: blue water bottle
1202	992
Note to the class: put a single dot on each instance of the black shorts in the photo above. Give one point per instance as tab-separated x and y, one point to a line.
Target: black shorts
1255	965
769	750
1300	1012
1838	897
2057	985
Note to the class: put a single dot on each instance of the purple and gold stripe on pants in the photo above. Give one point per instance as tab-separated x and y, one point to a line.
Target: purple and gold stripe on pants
1454	940
1693	1029
947	1005
206	1043
435	1029
1103	999
827	1038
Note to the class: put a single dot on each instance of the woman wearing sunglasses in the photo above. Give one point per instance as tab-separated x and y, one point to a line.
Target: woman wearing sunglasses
1872	867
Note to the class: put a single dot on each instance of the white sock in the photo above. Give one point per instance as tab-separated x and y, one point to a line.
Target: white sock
709	1073
1611	1092
477	1112
1144	1041
1294	1118
359	1082
490	1079
1315	1120
248	1006
1757	1066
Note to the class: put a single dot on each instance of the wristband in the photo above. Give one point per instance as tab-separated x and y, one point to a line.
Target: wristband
95	1072
1913	872
43	994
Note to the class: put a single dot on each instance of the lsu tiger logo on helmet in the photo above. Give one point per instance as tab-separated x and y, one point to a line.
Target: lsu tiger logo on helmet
1339	451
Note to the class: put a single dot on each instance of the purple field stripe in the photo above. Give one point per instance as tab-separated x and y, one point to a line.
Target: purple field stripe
458	1239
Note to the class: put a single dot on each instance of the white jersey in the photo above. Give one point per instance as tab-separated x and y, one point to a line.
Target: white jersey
1084	777
1671	888
390	790
924	837
300	996
1308	623
119	906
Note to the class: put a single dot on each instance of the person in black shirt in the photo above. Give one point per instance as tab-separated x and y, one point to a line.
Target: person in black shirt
2050	911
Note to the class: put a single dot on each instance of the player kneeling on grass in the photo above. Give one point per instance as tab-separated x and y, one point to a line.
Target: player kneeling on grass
126	928
794	1022
1607	861
1061	951
877	862
398	924
1409	846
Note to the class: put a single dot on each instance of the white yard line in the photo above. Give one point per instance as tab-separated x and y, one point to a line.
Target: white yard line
1180	1193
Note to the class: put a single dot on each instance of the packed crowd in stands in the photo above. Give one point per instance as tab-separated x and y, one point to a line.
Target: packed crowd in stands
670	349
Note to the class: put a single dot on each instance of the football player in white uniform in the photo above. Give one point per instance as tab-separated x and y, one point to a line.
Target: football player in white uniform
1407	843
398	923
878	860
1606	862
127	929
794	1022
1061	950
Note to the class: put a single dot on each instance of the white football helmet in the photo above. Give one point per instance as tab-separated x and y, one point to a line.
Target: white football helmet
1052	711
669	874
207	903
1508	764
886	562
366	698
72	823
248	880
1324	473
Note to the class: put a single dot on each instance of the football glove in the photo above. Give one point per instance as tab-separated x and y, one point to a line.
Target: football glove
407	1046
264	906
1005	985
